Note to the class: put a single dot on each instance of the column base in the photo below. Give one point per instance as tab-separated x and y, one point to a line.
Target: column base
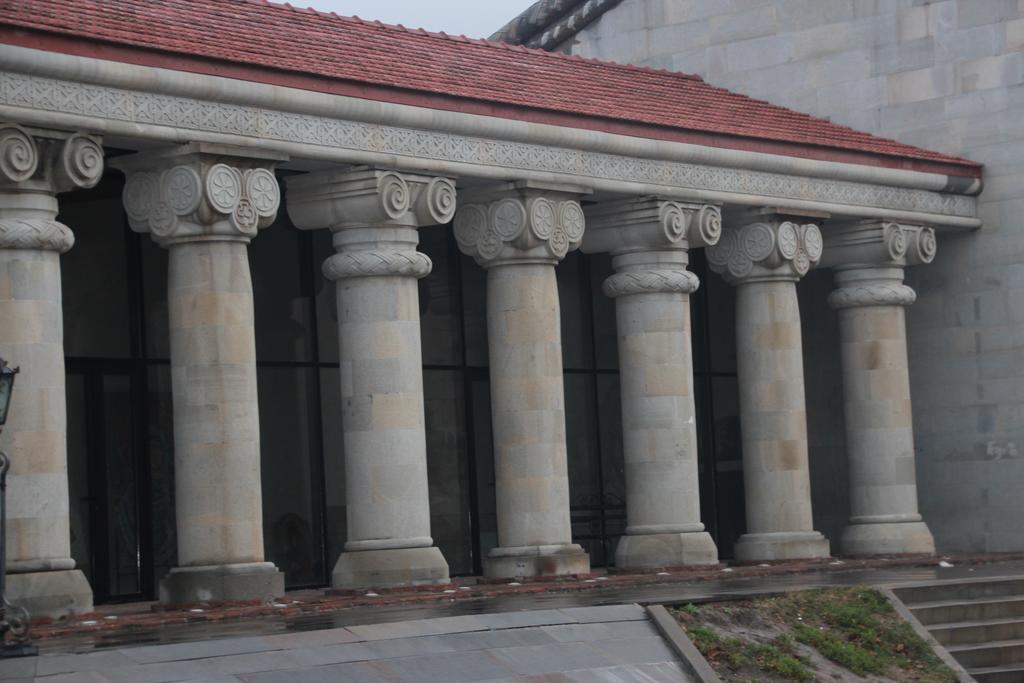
53	594
536	560
893	538
390	567
665	550
222	583
783	545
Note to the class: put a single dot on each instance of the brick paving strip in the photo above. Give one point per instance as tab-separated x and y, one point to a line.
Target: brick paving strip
114	619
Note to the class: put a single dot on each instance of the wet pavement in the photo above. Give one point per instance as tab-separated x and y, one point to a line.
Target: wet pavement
728	585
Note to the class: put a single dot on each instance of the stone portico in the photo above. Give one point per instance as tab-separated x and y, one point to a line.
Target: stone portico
209	161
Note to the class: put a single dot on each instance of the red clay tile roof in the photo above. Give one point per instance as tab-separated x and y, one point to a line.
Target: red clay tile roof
452	72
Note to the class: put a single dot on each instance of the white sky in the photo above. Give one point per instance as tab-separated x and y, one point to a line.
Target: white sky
474	18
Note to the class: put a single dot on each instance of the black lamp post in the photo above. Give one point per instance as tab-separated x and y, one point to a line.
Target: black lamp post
12	619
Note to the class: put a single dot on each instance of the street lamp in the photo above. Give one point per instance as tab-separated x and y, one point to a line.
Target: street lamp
12	618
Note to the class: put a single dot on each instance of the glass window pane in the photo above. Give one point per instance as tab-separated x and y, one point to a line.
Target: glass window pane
96	309
335	529
440	321
121	484
154	297
605	326
574	301
291	519
585	499
283	313
613	471
80	497
729	496
474	311
160	435
483	456
447	468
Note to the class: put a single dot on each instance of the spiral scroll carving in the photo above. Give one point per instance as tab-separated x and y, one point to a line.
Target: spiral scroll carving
708	225
19	156
650	281
377	263
440	200
394	194
875	294
35	234
925	245
82	157
484	231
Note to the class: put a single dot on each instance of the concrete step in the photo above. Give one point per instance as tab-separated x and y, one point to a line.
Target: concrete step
1011	673
978	609
996	653
961	590
977	632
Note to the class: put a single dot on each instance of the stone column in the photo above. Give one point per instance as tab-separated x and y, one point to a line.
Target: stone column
763	256
649	242
519	235
374	215
204	204
868	259
34	166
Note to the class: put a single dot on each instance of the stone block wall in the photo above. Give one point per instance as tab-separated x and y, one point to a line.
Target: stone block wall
943	74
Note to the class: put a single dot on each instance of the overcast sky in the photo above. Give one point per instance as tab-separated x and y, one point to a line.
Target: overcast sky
474	18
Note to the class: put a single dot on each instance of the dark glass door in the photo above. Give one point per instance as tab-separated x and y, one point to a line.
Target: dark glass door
110	531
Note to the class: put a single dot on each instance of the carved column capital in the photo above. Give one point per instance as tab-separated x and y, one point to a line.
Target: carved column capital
650	223
768	247
878	243
34	166
868	259
53	160
374	214
369	197
520	225
199	193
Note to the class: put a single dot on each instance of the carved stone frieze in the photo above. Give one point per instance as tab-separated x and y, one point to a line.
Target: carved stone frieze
769	247
530	225
182	113
199	195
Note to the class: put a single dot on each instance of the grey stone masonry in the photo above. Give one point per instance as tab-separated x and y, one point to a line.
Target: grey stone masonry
373	215
519	233
764	254
947	75
204	204
868	259
649	241
34	166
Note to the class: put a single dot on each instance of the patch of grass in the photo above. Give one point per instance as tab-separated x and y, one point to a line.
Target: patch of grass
855	628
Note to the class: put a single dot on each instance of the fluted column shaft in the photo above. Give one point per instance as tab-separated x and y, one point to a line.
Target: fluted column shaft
33	168
204	207
764	257
519	238
374	215
870	300
649	240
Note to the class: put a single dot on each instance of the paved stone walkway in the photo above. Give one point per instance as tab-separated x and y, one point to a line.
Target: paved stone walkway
614	644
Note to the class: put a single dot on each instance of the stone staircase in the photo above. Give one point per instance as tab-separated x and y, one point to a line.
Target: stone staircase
979	621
